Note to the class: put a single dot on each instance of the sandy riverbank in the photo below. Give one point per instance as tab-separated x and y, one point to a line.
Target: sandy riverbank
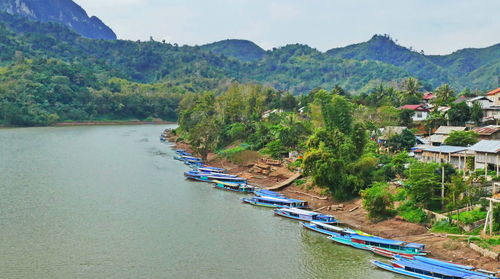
353	215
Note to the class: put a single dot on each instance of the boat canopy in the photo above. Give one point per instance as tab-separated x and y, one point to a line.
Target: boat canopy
419	246
300	211
441	263
329	227
285	200
378	240
436	269
270	193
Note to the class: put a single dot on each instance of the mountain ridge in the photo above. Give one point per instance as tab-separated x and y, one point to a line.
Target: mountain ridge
66	12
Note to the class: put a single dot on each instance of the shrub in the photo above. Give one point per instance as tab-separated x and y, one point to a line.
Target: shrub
378	201
411	213
470	217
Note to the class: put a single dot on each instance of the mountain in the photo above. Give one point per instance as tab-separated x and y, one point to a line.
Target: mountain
243	50
66	12
475	68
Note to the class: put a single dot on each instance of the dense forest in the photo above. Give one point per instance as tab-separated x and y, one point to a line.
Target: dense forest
49	73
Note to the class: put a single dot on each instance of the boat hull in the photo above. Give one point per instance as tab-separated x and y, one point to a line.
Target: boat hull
244	191
390	268
302	219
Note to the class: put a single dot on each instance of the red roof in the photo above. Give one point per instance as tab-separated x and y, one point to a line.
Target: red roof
428	96
414	107
486	131
494	92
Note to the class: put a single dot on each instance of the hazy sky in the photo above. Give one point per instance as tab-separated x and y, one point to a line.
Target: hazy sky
435	26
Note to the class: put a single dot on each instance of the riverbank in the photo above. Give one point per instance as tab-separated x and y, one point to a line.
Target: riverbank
353	215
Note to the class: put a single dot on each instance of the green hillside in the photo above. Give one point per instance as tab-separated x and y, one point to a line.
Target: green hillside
239	49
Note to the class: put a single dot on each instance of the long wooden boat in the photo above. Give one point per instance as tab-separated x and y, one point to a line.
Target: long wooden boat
305	215
268	193
210	177
327	229
235	187
210	169
451	265
367	242
274	202
417	269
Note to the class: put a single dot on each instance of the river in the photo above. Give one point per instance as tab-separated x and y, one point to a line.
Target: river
110	202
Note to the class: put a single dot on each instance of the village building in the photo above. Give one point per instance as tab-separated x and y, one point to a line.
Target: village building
421	111
492	113
442	133
487	155
387	132
454	155
428	97
491	132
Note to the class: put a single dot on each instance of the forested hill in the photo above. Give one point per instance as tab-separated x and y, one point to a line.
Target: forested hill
474	68
66	12
240	49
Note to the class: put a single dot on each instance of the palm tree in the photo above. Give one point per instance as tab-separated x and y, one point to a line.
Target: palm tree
411	90
444	94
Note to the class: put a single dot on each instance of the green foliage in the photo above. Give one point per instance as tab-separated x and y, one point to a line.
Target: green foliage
405	117
275	149
459	114
469	217
403	141
462	138
423	180
446	227
378	201
476	113
412	213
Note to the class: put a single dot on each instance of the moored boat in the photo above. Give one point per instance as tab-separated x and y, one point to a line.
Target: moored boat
275	202
422	270
210	177
327	229
235	187
305	215
267	193
368	242
210	169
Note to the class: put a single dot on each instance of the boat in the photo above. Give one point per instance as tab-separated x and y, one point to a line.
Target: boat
367	242
305	215
327	229
267	193
235	187
451	265
275	202
422	270
210	177
391	254
210	169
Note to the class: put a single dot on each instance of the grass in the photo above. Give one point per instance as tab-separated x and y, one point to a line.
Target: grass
470	217
445	227
411	213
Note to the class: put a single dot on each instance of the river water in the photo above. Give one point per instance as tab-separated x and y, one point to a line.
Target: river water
110	202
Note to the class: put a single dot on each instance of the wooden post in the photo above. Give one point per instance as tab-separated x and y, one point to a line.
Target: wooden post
496	164
442	186
491	217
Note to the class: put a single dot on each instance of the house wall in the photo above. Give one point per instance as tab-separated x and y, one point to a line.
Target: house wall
420	115
483	159
454	159
492	113
495	98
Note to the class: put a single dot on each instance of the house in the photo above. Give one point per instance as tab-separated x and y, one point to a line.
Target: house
454	155
442	134
487	155
492	113
421	111
491	132
427	97
483	101
268	113
387	132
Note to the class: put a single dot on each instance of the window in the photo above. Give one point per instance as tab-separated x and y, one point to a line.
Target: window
419	114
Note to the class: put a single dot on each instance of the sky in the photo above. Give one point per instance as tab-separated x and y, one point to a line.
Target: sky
434	26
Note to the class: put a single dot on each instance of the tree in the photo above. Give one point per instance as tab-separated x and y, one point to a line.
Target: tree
406	117
477	113
444	95
378	201
462	138
204	137
423	180
288	102
403	141
338	90
411	89
459	114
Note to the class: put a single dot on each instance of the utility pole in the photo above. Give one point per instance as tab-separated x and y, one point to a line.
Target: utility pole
442	183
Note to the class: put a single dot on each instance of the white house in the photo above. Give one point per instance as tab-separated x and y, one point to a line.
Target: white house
421	111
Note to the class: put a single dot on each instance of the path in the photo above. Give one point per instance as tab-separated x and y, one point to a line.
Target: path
285	183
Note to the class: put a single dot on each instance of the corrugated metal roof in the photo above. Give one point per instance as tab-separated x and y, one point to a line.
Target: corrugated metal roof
446	130
445	149
437	138
486	131
494	92
487	146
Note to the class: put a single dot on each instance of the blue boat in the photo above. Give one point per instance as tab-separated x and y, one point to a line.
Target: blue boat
367	242
422	270
451	265
210	177
305	215
235	187
327	229
275	202
267	193
210	169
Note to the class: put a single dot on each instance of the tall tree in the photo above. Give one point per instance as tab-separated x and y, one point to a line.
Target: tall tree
411	89
459	114
477	113
444	95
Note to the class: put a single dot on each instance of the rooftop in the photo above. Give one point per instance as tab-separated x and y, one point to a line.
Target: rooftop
446	130
494	92
486	146
414	107
486	131
445	149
